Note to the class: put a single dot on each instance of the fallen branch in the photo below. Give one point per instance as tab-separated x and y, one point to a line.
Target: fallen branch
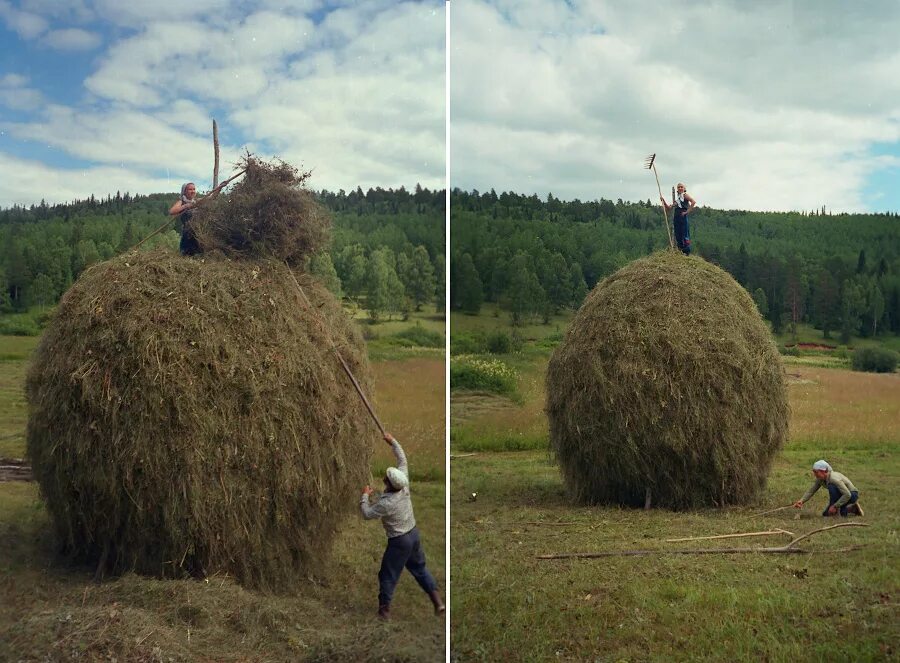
14	469
730	536
787	549
454	456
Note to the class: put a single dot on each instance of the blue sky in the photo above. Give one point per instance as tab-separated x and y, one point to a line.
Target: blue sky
98	96
768	105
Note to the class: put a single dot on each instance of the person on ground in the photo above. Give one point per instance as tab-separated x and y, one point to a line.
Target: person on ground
404	548
684	204
843	497
184	209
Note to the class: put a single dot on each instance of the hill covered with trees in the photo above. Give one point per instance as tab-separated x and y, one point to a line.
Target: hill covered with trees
387	250
535	256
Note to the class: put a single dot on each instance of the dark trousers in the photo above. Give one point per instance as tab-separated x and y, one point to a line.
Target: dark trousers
682	233
189	245
403	551
834	494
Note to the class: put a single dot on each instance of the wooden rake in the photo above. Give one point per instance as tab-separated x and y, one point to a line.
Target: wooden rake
650	164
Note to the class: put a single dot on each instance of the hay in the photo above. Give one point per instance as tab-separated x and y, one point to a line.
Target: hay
667	380
189	416
267	214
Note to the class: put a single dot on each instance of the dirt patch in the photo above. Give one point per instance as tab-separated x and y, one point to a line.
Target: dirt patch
811	346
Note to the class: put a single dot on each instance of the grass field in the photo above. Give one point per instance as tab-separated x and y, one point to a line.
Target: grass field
822	605
53	612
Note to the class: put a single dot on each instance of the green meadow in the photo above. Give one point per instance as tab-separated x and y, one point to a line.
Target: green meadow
509	505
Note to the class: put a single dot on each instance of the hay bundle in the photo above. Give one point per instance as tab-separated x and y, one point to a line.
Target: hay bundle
667	380
266	214
189	416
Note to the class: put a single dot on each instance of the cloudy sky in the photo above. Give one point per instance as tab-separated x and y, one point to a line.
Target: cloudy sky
100	96
768	105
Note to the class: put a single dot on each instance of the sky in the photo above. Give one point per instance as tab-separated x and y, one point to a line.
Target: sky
100	96
765	105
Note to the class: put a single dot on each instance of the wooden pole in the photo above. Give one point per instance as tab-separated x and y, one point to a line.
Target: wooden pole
340	357
216	151
730	536
789	548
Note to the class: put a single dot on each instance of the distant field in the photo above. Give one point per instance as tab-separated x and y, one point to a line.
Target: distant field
50	612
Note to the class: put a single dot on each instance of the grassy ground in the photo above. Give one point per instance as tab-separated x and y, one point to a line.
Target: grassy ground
508	605
491	318
53	612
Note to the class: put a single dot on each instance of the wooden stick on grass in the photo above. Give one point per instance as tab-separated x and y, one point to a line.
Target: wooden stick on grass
730	536
788	549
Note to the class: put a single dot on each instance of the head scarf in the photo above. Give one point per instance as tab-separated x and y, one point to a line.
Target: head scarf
397	478
184	197
821	465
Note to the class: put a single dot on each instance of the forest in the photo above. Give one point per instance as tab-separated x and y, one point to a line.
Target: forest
534	257
387	250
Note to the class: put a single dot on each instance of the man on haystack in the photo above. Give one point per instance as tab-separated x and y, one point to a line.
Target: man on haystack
843	496
404	549
683	204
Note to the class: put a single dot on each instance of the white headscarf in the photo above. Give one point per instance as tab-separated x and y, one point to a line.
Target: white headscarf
397	478
821	465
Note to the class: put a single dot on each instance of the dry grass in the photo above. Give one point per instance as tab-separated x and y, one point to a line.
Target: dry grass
53	612
861	407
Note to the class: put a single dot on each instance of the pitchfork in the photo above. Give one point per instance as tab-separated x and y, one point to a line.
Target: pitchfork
649	165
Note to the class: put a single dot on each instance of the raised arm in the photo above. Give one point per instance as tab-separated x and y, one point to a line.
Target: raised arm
402	465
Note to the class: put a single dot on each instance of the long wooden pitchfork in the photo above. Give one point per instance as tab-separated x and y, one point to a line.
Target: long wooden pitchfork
649	164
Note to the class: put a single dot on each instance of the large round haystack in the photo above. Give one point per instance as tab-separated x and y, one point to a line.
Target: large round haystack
266	214
668	380
190	416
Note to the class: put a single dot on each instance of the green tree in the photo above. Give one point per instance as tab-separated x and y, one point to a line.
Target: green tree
321	266
385	293
420	277
759	298
84	256
557	284
524	294
853	303
577	286
440	298
40	291
470	293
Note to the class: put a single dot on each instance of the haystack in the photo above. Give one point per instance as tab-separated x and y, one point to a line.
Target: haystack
266	214
190	416
667	381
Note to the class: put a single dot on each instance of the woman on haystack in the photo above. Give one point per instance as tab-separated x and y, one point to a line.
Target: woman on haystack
404	549
842	495
684	205
184	208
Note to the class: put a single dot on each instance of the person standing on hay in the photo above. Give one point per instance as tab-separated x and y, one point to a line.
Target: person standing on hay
404	548
684	205
842	495
184	208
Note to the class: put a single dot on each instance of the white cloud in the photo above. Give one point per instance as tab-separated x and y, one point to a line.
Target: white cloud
359	98
16	95
25	182
762	106
26	24
71	39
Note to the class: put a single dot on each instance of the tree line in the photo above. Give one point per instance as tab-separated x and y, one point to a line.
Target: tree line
534	256
387	252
